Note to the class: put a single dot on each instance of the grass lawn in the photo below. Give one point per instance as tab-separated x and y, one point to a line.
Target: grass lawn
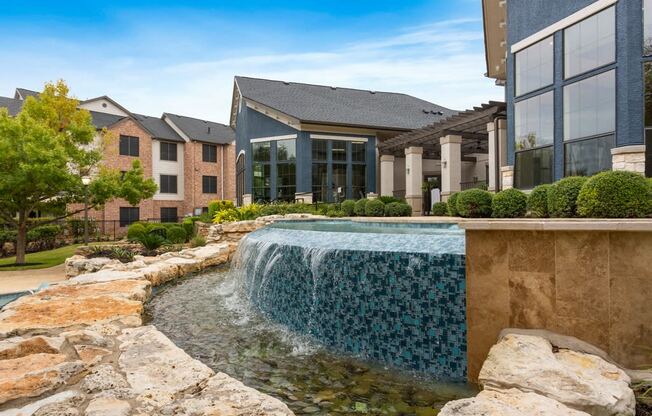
40	260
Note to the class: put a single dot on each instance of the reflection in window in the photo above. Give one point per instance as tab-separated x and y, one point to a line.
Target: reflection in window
339	151
339	190
588	157
359	181
262	171
358	151
319	149
647	27
590	43
533	167
286	150
261	151
590	107
319	182
534	121
286	178
534	66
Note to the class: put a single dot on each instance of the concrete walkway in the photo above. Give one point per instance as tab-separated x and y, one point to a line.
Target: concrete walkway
18	281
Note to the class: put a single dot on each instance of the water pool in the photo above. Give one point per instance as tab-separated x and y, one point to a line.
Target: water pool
209	318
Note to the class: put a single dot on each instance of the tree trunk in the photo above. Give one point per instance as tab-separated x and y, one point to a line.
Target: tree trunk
21	238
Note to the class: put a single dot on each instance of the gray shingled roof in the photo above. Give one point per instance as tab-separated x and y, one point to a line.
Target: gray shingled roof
13	105
343	106
158	128
202	130
24	92
101	120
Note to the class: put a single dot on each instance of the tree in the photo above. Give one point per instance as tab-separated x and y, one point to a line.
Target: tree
45	150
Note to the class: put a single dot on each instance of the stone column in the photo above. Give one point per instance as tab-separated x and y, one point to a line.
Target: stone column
246	199
387	175
493	161
414	178
629	158
451	165
507	175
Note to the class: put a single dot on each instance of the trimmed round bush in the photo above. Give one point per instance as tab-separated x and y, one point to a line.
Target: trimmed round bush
474	203
158	229
562	197
440	209
615	194
398	209
135	230
537	202
510	203
348	207
335	213
176	235
452	205
359	208
375	208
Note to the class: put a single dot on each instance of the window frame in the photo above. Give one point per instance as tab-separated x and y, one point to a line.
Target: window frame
168	218
167	155
615	98
128	141
206	156
551	147
540	88
538	95
128	221
168	183
206	184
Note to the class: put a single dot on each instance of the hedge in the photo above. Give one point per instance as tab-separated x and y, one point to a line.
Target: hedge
375	208
359	208
440	209
452	205
348	207
537	202
176	235
510	203
398	209
474	203
562	197
615	194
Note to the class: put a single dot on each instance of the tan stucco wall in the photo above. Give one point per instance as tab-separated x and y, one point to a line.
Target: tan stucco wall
593	285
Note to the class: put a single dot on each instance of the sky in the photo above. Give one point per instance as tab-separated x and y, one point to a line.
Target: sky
181	57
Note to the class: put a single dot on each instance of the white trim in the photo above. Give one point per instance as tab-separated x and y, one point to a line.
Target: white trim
240	153
341	138
174	127
273	138
563	24
273	113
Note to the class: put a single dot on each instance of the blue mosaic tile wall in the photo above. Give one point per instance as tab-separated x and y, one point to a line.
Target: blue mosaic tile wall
400	309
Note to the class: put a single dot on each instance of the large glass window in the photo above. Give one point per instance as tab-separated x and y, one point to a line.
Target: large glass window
261	183
319	149
339	151
169	214
339	189
320	182
590	43
286	177
359	152
533	167
359	181
647	27
534	121
590	107
535	66
588	157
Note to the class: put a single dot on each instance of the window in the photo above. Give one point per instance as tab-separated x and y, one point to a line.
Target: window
209	184
647	27
286	150
129	215
359	181
261	151
591	43
168	151
339	189
359	152
286	177
647	74
588	157
262	171
339	151
129	146
319	149
319	182
590	107
534	122
168	184
209	153
169	214
535	66
533	167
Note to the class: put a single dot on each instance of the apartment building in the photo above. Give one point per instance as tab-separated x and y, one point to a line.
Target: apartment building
191	160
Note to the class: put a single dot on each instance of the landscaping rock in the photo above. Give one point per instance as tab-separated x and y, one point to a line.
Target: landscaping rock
107	276
156	369
241	227
60	404
581	381
91	354
86	337
210	255
508	403
104	378
19	347
108	406
184	265
128	289
77	265
159	273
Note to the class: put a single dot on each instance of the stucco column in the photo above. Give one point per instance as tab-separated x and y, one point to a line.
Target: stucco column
507	177
629	158
493	158
246	199
387	175
501	132
414	178
451	165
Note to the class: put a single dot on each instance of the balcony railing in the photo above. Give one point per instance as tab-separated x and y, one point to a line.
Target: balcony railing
481	184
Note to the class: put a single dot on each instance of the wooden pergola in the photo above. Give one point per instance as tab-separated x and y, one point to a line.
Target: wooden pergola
471	125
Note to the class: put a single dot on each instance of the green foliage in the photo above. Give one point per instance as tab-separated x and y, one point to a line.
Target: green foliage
374	208
198	241
286	208
452	205
76	226
335	213
135	230
562	197
113	252
348	207
226	215
7	236
510	203
398	209
537	202
219	205
615	194
248	212
440	209
389	199
360	207
189	226
151	241
158	229
176	235
474	203
45	236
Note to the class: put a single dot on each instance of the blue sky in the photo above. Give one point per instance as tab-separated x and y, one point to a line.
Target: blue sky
181	57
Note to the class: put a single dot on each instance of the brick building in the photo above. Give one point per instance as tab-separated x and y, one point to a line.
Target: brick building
191	160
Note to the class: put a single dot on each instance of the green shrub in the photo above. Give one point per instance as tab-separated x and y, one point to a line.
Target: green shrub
615	194
113	252
510	203
374	208
398	209
44	237
452	205
135	230
226	215
360	207
248	212
335	213
474	203
562	197
389	199
285	208
219	205
440	209
189	226
198	241
537	202
7	236
158	229
348	207
151	241
176	235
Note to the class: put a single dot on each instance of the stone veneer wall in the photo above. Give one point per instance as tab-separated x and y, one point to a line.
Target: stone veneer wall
593	285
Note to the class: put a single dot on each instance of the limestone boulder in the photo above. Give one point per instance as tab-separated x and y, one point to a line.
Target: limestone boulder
210	255
581	381
159	273
19	347
139	290
77	265
60	404
107	276
157	370
240	227
108	406
508	403
184	265
105	379
90	354
87	337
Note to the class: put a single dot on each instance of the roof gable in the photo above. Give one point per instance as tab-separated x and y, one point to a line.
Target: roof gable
23	93
201	130
106	105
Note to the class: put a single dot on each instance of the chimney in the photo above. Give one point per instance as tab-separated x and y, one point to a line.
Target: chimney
209	129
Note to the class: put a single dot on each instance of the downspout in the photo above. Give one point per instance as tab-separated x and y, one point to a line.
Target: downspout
498	151
222	168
